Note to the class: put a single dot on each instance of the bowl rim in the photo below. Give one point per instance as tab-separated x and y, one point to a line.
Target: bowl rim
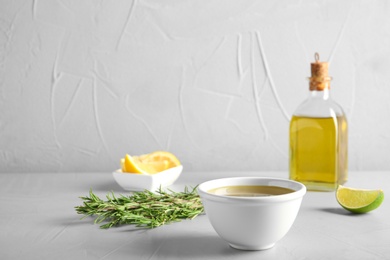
203	188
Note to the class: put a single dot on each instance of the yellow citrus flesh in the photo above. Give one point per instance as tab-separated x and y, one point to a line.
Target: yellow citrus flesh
133	165
359	200
150	163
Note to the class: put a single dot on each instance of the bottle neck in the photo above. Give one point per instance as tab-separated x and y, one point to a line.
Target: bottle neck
320	94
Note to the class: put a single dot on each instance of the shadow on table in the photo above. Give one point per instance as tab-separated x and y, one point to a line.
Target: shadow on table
338	211
202	247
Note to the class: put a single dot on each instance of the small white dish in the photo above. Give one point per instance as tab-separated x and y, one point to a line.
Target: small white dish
152	182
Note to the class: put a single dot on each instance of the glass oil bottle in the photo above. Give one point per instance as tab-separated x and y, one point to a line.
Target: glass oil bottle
319	136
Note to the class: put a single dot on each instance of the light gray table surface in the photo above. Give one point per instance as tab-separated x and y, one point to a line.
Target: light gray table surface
38	221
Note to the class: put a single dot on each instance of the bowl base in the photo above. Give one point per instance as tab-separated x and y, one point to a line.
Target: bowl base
250	248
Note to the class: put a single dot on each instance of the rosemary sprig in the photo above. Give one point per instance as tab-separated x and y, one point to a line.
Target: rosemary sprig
143	209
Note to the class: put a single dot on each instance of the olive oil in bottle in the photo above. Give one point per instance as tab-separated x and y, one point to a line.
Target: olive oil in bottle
319	136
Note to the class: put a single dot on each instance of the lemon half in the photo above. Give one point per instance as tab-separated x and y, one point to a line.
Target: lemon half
151	163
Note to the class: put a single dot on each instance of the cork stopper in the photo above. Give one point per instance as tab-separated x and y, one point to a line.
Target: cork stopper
319	79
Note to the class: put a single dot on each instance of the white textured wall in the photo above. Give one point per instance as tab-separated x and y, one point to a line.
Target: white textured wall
215	82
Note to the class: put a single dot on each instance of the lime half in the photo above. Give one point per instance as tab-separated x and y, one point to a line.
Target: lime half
359	200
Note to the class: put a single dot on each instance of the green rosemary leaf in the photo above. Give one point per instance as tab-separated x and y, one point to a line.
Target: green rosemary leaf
143	209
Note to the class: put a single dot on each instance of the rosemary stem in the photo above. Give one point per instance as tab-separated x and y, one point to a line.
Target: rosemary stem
143	209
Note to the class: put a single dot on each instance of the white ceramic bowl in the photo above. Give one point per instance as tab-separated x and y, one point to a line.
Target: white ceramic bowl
252	223
152	182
